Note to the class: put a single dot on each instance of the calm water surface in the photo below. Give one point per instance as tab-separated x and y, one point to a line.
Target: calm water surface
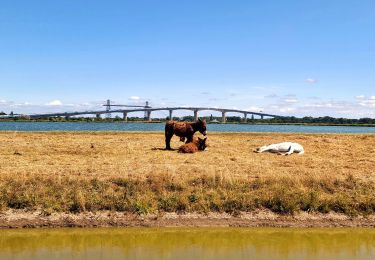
169	243
72	126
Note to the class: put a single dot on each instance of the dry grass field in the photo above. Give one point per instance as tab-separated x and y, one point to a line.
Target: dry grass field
130	172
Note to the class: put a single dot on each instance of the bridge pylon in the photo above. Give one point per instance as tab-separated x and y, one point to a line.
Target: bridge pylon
245	117
196	115
108	108
223	117
148	116
146	112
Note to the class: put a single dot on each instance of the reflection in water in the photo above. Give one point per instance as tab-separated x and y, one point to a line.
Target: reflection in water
173	243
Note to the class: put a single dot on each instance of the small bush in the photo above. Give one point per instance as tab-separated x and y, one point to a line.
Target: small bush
193	198
283	203
141	207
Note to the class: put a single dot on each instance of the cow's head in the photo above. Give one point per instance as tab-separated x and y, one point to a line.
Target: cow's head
202	126
202	144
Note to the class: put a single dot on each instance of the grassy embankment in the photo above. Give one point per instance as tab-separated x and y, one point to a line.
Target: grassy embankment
127	172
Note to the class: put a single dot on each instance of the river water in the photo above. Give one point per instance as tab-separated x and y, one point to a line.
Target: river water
188	243
78	126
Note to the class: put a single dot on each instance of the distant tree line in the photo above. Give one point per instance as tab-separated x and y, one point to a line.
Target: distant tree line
321	120
291	120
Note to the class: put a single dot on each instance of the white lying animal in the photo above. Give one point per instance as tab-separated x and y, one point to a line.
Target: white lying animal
286	148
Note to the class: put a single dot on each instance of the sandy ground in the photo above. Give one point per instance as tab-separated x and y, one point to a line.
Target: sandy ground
137	155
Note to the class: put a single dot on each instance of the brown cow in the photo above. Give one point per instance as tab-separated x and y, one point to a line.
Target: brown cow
198	144
183	130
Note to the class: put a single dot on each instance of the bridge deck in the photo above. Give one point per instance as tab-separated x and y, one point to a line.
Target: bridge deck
149	110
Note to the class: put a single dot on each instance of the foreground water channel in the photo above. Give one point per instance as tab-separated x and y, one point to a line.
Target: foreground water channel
187	243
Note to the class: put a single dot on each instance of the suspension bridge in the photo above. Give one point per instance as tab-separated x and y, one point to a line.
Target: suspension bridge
148	110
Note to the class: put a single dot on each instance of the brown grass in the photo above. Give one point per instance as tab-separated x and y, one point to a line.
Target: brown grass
75	172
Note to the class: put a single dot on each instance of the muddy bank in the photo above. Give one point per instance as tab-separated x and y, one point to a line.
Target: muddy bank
261	218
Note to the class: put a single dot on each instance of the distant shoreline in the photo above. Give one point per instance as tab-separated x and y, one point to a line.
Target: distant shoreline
158	122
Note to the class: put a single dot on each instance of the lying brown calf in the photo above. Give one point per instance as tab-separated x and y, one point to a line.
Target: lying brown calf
198	144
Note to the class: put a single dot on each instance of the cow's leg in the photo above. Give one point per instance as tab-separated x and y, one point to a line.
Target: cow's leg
290	151
168	137
189	139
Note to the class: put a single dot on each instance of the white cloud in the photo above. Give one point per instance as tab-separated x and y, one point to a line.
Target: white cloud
325	104
271	96
24	104
135	98
53	106
362	107
364	101
287	109
254	109
55	103
337	108
291	100
311	81
367	103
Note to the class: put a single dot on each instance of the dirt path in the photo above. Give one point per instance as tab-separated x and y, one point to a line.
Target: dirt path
262	218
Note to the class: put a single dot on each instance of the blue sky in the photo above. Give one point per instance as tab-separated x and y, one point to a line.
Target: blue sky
285	57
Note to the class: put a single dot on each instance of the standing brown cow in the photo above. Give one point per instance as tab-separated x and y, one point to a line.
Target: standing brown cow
183	130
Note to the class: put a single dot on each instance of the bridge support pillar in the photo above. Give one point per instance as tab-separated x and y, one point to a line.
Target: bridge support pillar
223	117
97	116
245	117
148	116
170	114
252	117
195	115
261	117
125	116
